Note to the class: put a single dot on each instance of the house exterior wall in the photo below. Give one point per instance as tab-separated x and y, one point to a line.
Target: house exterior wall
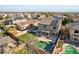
48	28
73	35
21	27
53	29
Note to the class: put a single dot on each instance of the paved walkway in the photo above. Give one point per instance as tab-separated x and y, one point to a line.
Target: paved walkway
43	39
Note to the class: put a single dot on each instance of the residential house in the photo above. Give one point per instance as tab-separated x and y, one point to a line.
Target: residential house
59	17
8	21
74	31
50	25
22	25
29	16
26	24
12	21
6	43
75	18
42	16
19	17
19	20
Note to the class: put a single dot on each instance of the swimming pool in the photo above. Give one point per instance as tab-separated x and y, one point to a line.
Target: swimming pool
47	46
70	50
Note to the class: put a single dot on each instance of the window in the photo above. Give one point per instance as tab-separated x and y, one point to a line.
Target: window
44	26
76	31
75	39
54	27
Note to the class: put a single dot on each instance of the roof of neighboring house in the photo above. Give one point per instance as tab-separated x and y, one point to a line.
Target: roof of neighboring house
50	21
22	23
6	39
18	17
75	17
46	21
26	23
31	21
75	26
59	17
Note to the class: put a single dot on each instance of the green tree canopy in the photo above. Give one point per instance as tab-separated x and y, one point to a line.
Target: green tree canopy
1	18
47	14
66	15
7	17
67	21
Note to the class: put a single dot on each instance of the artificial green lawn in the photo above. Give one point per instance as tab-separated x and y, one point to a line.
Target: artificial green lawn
70	50
44	45
41	44
23	51
26	37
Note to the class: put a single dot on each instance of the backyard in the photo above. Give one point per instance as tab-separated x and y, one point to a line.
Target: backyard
27	37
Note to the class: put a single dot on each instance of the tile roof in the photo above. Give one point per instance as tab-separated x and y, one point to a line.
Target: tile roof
26	23
75	25
50	21
6	39
46	21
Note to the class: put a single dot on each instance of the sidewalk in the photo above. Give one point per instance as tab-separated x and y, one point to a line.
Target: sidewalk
43	39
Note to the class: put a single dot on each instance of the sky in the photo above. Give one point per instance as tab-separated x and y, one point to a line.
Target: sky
39	8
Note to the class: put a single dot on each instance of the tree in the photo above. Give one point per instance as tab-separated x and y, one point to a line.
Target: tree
60	43
67	21
1	18
66	15
3	27
38	15
47	14
7	17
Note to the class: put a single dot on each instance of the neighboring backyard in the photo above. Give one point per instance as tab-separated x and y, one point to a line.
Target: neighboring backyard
1	33
23	51
70	50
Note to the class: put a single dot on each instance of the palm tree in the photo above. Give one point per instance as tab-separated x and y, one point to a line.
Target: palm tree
4	28
1	18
